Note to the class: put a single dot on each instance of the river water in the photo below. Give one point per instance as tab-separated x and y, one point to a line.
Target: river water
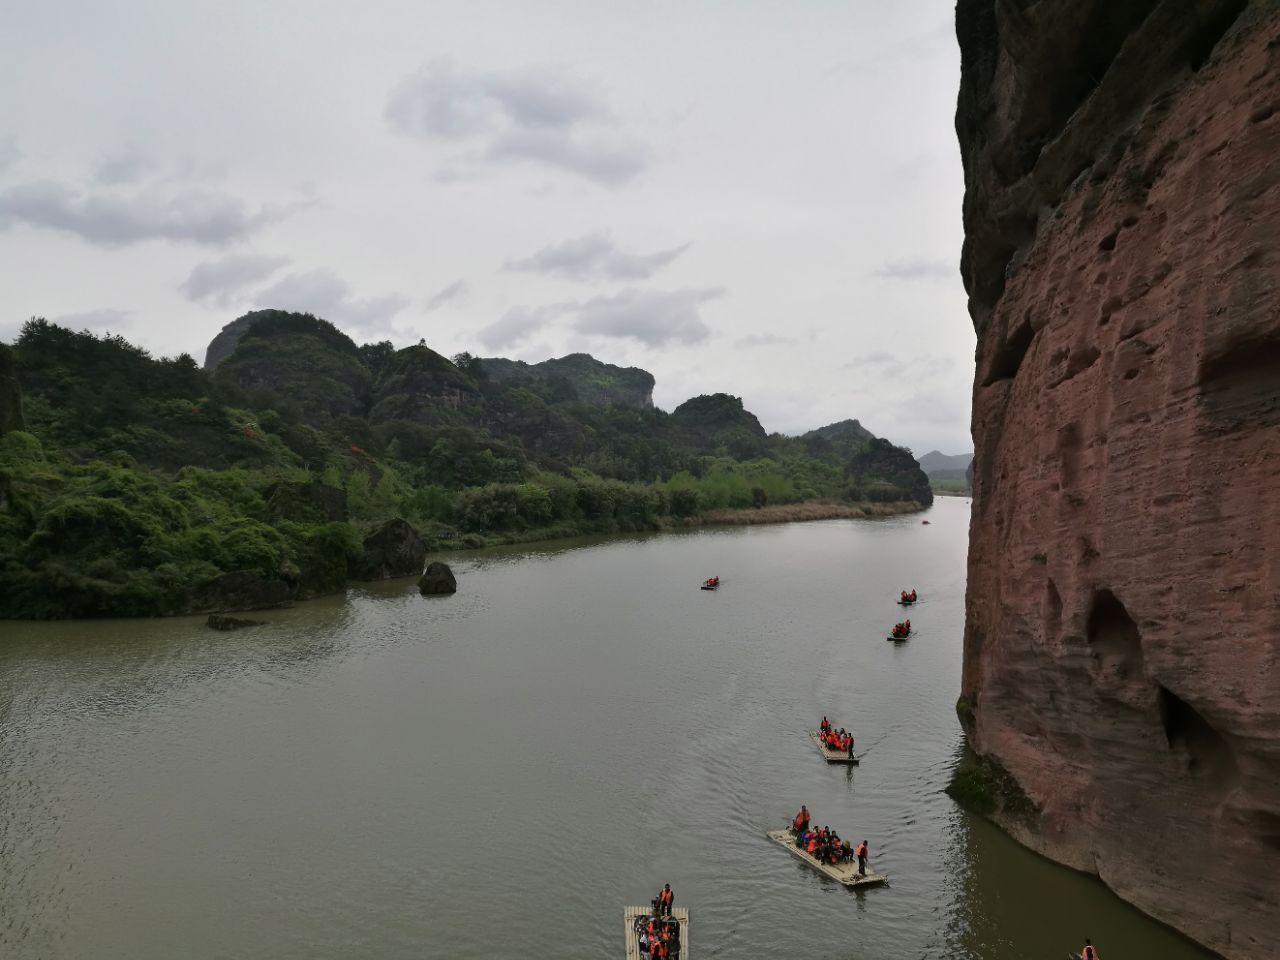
498	773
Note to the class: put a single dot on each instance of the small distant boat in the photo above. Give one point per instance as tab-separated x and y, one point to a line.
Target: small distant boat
925	522
897	637
845	873
711	583
831	755
905	603
634	918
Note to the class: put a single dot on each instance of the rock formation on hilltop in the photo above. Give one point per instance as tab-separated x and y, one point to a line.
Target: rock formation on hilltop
1122	222
590	381
718	422
307	362
224	343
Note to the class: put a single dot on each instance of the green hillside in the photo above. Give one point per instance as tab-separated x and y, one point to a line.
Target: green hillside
134	485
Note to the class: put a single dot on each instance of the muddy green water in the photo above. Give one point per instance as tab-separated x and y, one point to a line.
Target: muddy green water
498	773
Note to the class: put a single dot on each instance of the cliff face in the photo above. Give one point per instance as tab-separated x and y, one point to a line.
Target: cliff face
1122	221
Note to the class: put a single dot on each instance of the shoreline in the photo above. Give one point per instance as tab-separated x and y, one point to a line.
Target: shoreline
803	512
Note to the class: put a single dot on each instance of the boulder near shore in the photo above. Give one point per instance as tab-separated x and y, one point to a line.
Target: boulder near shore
437	579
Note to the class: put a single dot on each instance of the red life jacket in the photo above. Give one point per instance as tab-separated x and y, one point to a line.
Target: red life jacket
862	849
667	895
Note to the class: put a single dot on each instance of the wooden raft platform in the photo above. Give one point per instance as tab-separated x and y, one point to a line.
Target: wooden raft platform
900	639
845	873
629	916
832	756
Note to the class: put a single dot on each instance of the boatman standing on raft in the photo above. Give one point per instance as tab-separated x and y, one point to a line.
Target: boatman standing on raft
1089	952
666	897
862	858
800	823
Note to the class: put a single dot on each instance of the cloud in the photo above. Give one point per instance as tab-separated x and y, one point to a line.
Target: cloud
224	281
878	363
515	325
653	317
120	168
594	257
539	116
323	293
9	152
918	270
114	218
763	340
103	318
457	290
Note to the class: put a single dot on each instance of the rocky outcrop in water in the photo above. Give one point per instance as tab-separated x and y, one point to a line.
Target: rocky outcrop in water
393	550
1122	235
437	579
219	621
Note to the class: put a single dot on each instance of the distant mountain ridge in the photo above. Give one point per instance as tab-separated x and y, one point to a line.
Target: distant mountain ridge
950	474
934	461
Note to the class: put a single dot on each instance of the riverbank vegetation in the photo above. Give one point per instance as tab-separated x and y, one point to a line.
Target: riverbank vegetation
129	485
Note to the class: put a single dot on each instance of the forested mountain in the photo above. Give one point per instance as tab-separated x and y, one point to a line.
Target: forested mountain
136	485
948	473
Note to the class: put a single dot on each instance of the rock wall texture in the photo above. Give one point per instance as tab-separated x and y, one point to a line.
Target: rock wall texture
1122	258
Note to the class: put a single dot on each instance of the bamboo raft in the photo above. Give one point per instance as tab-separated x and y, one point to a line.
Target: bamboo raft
906	603
832	756
629	916
843	873
905	636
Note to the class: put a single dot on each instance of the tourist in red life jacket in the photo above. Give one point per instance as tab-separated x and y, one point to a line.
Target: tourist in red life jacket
913	594
861	854
665	898
1089	952
904	595
825	725
803	817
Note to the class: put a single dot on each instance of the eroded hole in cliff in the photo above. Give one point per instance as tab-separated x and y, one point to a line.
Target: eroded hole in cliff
1109	241
1208	755
1009	357
1238	384
1114	638
1200	47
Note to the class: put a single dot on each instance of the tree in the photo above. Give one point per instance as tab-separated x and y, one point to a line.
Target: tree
469	364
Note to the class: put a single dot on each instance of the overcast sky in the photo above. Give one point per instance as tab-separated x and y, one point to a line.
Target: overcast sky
760	198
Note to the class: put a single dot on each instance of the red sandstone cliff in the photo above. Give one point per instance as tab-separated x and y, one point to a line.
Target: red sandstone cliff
1122	257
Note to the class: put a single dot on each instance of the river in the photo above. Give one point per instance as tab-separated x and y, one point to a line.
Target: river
498	773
